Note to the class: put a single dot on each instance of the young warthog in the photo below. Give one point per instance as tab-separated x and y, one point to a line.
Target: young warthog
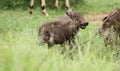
111	23
55	33
61	30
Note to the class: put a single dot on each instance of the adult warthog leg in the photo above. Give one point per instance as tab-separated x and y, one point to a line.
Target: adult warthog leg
67	4
56	3
43	7
31	6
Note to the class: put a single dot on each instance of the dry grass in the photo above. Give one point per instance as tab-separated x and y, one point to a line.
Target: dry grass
95	17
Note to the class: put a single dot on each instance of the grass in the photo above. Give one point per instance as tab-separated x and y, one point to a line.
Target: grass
97	6
19	51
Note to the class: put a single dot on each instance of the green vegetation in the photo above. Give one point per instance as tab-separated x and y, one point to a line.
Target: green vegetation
85	6
98	5
19	50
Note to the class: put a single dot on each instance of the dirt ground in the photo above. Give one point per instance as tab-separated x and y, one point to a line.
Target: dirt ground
95	17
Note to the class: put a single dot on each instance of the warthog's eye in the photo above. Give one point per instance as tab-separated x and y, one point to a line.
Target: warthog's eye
46	32
76	20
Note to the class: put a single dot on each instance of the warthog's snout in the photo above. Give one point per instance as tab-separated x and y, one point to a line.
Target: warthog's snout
83	26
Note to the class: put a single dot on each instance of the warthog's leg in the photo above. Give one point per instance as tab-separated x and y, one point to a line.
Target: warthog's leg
116	40
43	7
106	36
67	4
31	6
116	35
56	3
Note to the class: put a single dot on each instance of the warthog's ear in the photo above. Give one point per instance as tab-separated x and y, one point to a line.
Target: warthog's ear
105	18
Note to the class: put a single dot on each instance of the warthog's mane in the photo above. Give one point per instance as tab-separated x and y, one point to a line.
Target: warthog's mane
112	15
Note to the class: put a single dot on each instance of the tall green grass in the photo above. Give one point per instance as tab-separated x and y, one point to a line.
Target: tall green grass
19	51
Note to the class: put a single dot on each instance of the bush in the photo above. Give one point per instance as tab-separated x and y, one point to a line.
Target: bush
13	4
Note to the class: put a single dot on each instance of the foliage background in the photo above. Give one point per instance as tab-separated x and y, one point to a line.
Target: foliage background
82	5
